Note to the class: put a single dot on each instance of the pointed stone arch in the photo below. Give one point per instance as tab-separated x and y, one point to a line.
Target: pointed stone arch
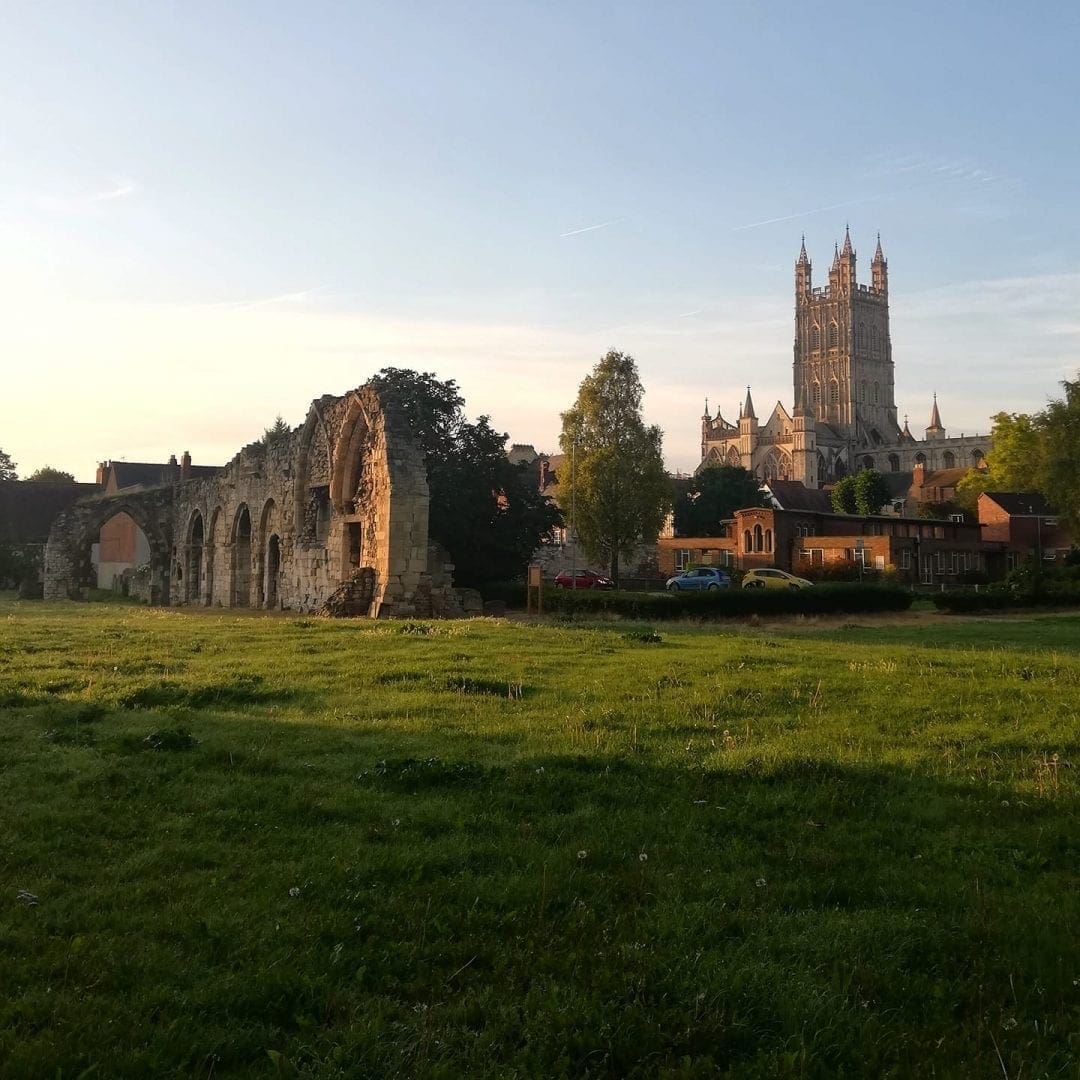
68	566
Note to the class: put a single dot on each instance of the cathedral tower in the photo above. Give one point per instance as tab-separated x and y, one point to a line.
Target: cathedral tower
843	369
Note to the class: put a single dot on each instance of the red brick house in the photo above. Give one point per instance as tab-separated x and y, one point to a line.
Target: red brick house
1026	525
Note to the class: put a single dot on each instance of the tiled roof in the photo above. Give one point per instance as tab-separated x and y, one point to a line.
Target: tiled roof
794	495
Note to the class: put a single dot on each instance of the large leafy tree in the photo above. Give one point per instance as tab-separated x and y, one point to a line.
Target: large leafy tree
613	485
48	472
1013	463
861	493
7	467
714	496
1058	466
488	512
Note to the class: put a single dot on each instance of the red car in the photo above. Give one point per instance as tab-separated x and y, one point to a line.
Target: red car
582	579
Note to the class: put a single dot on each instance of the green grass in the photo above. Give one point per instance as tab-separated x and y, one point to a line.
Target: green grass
283	846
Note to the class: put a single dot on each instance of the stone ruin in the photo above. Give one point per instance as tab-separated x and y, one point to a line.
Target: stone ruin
332	518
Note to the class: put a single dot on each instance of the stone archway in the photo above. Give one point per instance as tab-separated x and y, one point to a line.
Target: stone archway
68	567
241	558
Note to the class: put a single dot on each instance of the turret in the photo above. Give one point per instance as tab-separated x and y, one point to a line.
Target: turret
879	270
846	263
834	270
802	273
935	430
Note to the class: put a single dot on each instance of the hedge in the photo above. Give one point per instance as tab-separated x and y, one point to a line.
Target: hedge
725	604
993	600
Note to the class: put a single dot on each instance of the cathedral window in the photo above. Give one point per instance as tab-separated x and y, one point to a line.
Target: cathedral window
834	336
894	463
834	393
949	460
920	459
875	393
815	338
976	458
867	462
817	395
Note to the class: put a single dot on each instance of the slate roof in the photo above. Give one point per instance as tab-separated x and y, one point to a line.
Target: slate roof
128	474
29	507
795	495
1021	503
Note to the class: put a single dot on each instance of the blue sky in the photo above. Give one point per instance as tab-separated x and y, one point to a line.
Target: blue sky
210	214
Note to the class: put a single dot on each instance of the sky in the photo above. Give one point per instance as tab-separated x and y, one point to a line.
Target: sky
212	214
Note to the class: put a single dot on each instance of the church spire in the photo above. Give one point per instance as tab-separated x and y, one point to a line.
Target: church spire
847	242
836	257
879	255
748	408
935	430
803	259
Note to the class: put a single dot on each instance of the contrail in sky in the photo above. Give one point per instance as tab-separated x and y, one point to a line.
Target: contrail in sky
819	210
590	228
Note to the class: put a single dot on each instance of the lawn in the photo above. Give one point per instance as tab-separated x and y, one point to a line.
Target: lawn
263	846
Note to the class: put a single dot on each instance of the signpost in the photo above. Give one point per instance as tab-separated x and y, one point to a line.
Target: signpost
534	581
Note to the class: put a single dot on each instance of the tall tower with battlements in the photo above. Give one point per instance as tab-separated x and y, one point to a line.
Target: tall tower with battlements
843	369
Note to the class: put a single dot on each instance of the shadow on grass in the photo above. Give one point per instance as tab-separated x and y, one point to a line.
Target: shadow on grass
442	904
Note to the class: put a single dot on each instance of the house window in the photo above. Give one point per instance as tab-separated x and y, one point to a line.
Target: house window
957	517
940	561
927	570
905	559
813	556
768	539
965	561
759	539
748	544
1012	560
682	559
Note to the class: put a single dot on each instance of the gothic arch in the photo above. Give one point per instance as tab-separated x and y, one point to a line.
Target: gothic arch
68	567
734	458
191	574
948	460
241	557
894	463
215	546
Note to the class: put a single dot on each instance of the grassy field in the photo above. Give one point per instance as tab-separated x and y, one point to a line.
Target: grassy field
242	845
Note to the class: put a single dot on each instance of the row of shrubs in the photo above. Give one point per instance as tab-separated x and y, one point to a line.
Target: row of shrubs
726	604
1006	599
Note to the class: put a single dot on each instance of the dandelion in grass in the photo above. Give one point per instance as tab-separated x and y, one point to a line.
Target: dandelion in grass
643	857
295	890
396	822
760	883
582	854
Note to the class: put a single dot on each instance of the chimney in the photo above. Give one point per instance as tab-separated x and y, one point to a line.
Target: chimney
918	474
185	466
101	474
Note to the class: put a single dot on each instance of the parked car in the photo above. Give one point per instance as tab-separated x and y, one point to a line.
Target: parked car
770	578
583	579
703	577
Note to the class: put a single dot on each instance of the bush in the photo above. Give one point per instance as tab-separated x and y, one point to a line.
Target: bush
1006	599
729	603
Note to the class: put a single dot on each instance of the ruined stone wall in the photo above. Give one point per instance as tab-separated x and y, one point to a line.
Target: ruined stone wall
335	513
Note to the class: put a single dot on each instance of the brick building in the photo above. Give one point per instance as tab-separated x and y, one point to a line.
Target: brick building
1026	525
917	550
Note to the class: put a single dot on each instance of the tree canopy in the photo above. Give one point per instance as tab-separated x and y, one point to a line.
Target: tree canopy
47	472
714	496
7	467
487	512
1034	452
862	493
613	486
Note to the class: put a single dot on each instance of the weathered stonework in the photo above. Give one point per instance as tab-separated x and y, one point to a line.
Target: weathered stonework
333	516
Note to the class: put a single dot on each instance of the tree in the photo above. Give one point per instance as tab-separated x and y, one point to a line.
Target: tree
7	467
487	512
615	489
1012	463
277	431
1058	466
47	472
871	492
716	493
843	495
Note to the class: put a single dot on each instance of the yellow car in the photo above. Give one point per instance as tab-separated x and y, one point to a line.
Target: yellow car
768	578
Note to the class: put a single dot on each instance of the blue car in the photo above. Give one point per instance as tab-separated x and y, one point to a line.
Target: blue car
704	577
